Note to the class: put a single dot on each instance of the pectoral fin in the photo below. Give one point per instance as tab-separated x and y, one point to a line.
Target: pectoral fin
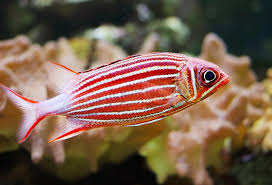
177	100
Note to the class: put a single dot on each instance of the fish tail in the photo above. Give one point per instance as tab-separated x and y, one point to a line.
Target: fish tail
30	111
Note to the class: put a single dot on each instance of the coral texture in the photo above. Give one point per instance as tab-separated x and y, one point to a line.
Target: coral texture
260	133
184	144
21	63
24	68
227	114
204	134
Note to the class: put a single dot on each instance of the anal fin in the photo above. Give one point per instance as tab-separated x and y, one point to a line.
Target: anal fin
68	128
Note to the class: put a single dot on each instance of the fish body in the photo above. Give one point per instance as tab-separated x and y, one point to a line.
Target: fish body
133	91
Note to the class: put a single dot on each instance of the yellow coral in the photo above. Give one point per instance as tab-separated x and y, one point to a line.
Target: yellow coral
268	82
260	134
81	47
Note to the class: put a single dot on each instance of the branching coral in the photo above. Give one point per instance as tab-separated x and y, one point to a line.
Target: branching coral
21	62
25	70
260	133
200	134
104	144
184	144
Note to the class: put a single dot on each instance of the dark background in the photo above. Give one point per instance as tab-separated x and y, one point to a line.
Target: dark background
245	26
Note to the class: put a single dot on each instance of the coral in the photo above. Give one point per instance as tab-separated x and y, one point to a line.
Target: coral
184	144
62	52
105	52
150	43
21	63
22	69
243	82
204	134
81	47
268	82
157	157
214	50
202	139
108	33
18	70
103	144
173	32
260	133
170	34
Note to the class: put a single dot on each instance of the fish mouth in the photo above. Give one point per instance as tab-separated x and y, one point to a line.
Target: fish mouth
225	81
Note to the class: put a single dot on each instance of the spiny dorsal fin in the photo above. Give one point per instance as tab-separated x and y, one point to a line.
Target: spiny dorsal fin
60	76
111	63
64	67
144	123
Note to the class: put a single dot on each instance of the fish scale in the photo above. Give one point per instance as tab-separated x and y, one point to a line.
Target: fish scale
89	82
124	64
159	75
133	91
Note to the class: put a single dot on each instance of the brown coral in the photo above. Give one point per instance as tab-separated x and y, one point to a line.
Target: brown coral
192	137
22	68
21	62
260	133
203	128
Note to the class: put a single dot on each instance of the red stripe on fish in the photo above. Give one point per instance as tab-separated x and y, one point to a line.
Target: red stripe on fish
130	91
110	73
134	80
125	97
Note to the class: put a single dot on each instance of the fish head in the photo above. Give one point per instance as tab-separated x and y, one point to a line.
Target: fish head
199	79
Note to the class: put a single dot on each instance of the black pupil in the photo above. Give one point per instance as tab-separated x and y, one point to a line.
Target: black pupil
209	76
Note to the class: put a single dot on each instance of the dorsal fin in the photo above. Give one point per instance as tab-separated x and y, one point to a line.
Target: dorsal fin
132	56
60	76
99	67
64	67
113	62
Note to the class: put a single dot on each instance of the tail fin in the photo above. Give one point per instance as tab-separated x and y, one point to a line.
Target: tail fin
29	108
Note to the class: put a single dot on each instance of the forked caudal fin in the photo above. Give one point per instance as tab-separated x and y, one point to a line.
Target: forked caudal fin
34	111
29	108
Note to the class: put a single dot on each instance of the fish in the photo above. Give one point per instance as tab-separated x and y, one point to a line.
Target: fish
137	90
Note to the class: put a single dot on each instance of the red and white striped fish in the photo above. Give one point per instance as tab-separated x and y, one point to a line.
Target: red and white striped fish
133	91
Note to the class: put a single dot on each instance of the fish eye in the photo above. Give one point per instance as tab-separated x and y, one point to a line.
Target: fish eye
209	76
